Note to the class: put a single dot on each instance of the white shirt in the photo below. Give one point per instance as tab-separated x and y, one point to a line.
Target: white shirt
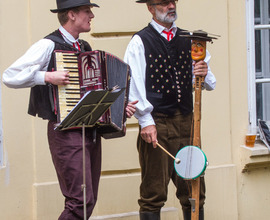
135	57
29	70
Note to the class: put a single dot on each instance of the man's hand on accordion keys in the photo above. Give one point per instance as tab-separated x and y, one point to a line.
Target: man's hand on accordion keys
57	77
131	108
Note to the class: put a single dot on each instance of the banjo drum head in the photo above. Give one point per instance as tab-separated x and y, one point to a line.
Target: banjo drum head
192	164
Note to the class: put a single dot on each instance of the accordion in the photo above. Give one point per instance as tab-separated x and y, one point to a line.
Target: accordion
90	71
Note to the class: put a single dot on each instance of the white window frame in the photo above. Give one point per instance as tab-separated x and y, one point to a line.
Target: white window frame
251	63
251	27
1	132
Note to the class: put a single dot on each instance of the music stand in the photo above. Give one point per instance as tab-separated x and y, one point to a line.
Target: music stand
85	114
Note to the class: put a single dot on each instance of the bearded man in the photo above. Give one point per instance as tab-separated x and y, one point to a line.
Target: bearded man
162	73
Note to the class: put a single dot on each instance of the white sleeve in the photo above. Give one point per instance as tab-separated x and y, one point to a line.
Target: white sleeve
135	57
29	70
210	79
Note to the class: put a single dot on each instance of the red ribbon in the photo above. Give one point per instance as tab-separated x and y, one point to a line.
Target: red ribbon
169	34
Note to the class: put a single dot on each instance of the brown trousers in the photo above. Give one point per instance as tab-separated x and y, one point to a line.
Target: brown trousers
157	168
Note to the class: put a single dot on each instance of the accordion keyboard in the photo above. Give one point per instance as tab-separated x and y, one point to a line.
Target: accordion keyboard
69	95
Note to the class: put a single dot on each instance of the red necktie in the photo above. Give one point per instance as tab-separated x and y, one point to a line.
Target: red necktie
78	45
169	34
73	44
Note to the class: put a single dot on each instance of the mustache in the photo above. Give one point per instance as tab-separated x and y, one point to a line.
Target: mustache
171	11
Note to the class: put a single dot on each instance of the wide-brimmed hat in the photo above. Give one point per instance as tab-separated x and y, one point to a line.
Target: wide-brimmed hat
141	1
200	35
66	4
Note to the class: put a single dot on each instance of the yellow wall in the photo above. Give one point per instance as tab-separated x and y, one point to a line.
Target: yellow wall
28	184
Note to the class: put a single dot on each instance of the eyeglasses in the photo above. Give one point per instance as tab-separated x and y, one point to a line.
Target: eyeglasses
165	3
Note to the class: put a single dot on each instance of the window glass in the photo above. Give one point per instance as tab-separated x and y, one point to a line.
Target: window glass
258	58
257	11
262	58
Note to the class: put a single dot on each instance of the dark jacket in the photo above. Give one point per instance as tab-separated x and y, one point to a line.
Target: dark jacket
41	101
168	71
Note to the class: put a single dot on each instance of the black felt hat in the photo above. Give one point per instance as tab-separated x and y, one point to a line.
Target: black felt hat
66	4
200	35
142	1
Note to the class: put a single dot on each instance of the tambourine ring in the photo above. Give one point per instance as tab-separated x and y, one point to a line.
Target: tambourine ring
193	162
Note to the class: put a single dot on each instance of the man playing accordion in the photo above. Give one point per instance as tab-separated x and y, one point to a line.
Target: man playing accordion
35	69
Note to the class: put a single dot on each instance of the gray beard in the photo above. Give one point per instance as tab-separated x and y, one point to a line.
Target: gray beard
165	18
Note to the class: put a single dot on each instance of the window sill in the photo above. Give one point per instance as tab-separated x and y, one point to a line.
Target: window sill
256	157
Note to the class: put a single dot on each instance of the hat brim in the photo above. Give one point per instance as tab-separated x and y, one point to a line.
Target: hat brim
141	1
194	37
63	9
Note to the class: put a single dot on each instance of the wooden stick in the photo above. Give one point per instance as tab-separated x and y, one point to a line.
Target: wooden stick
177	160
195	183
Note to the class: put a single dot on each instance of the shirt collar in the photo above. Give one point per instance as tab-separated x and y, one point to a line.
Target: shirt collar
159	28
67	36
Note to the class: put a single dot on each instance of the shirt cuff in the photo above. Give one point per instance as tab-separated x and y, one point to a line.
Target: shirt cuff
146	120
40	78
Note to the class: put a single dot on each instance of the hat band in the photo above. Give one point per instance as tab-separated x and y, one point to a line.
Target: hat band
67	4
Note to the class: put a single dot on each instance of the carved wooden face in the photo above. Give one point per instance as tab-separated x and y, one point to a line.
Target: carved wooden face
198	49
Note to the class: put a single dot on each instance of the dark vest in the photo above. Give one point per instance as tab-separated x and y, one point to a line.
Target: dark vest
168	71
41	96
